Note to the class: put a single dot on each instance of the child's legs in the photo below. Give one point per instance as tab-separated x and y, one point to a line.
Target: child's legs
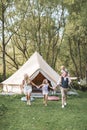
28	99
29	93
46	98
28	96
43	98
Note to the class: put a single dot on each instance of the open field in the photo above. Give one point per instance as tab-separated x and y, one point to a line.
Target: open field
16	115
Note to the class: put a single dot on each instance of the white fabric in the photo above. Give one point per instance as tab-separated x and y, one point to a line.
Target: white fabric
35	65
27	89
45	89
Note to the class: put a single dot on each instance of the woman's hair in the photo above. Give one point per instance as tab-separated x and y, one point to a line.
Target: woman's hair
45	81
26	78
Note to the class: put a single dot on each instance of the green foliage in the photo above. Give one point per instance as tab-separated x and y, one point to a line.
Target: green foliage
75	35
3	109
78	86
0	77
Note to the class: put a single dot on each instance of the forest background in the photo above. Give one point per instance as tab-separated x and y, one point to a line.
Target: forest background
57	29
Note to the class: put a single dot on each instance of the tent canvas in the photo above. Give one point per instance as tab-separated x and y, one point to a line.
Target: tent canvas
37	68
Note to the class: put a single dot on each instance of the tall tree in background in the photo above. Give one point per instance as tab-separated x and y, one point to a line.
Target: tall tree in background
40	29
10	23
3	9
76	35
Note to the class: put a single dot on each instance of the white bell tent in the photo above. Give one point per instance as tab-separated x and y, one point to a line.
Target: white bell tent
37	68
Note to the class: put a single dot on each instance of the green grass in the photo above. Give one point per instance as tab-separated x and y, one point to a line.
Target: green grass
16	115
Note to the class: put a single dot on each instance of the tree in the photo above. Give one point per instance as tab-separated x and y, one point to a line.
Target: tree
4	7
76	35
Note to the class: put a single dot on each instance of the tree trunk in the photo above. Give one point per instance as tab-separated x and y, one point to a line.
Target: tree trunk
86	73
76	68
3	43
80	64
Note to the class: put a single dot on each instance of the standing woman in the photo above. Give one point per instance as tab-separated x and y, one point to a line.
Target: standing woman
45	86
65	81
27	85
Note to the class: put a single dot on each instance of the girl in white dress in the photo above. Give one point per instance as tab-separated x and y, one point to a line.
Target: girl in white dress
27	85
45	86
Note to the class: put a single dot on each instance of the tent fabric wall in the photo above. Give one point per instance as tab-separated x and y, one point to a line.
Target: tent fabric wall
35	66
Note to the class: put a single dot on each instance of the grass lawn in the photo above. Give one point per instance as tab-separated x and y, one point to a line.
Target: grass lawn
16	115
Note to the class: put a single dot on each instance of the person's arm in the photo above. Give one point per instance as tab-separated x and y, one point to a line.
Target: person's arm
50	86
59	81
22	86
32	83
69	80
54	88
40	86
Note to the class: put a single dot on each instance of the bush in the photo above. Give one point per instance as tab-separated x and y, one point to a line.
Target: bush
3	109
77	86
83	87
0	77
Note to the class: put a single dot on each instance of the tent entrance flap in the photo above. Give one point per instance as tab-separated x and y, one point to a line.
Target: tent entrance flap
39	76
38	79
